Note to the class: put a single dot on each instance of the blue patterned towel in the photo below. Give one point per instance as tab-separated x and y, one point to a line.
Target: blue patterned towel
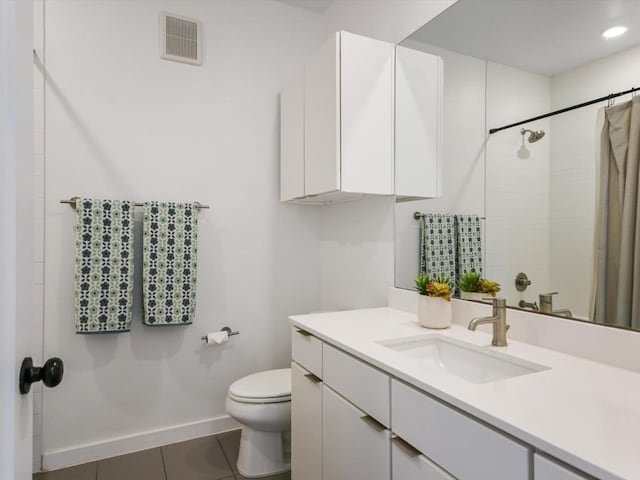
469	244
169	263
438	246
104	265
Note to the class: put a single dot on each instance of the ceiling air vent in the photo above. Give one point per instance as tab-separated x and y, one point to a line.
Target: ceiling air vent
180	39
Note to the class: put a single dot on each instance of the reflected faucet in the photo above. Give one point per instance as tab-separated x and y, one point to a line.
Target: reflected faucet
546	305
498	319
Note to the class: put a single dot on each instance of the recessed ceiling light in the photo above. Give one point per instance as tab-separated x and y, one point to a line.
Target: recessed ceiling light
614	31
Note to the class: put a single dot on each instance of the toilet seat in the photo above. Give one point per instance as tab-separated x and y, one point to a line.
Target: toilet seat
271	386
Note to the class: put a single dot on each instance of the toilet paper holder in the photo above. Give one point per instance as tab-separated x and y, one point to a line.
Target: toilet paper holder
223	329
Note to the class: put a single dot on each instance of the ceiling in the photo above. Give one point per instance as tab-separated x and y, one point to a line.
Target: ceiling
318	6
541	36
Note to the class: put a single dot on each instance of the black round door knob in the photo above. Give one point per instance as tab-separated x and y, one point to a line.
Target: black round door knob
50	373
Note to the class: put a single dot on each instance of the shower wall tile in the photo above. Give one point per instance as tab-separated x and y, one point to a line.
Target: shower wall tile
517	190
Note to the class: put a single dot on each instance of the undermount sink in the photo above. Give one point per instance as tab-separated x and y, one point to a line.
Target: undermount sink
470	362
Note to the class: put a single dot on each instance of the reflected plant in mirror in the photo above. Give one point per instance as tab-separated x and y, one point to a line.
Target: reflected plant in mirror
526	146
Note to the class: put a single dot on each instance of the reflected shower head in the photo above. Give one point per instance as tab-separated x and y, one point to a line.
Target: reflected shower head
534	135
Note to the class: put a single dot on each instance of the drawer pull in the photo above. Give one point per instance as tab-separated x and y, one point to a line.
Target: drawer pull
373	423
304	333
408	449
313	378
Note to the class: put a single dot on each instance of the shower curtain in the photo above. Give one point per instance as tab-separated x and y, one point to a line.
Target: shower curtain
617	257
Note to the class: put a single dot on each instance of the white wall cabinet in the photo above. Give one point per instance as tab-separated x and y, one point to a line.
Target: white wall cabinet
347	123
306	424
418	142
292	138
354	447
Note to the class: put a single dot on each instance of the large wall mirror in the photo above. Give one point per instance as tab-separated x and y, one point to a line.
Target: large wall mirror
545	202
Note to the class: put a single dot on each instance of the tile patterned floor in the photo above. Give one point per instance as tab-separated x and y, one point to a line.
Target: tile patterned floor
208	458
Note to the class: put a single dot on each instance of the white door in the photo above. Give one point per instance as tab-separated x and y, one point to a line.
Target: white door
16	125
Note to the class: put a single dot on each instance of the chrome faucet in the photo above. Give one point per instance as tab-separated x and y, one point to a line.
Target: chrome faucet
499	321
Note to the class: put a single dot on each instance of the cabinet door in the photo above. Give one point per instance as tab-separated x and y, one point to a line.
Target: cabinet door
306	425
409	464
353	446
418	156
366	94
321	120
292	138
546	469
464	447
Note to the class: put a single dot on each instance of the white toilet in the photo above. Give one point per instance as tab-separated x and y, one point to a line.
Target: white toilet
262	404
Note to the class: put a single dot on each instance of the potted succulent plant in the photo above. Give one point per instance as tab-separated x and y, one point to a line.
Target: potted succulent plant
473	287
434	301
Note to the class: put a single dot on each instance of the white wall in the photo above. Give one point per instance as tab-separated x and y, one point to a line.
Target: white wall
122	123
356	254
573	172
517	225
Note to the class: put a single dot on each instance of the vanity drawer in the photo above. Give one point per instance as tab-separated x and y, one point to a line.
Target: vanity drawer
546	469
464	447
306	350
409	464
363	385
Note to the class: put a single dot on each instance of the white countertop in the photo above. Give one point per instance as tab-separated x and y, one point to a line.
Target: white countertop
584	413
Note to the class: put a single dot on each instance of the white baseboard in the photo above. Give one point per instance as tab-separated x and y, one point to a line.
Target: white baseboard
55	459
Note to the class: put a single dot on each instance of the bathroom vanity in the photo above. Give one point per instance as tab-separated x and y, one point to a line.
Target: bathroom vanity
375	396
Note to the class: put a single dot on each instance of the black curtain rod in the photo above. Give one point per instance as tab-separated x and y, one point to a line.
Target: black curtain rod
567	109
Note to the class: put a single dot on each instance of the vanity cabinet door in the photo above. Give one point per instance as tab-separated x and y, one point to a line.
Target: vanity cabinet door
306	424
409	464
360	383
463	446
354	446
546	469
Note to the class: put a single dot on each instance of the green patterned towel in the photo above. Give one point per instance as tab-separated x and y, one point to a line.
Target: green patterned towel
104	266
169	263
469	244
437	246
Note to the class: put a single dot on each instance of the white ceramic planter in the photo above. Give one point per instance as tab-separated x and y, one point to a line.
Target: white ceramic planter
480	297
434	312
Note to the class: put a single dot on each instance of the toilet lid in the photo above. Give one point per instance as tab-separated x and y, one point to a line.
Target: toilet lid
270	385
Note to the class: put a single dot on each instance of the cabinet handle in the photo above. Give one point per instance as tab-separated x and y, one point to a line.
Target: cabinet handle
408	449
373	423
304	333
313	378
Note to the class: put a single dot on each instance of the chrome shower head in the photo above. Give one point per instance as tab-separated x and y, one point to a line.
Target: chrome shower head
534	135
